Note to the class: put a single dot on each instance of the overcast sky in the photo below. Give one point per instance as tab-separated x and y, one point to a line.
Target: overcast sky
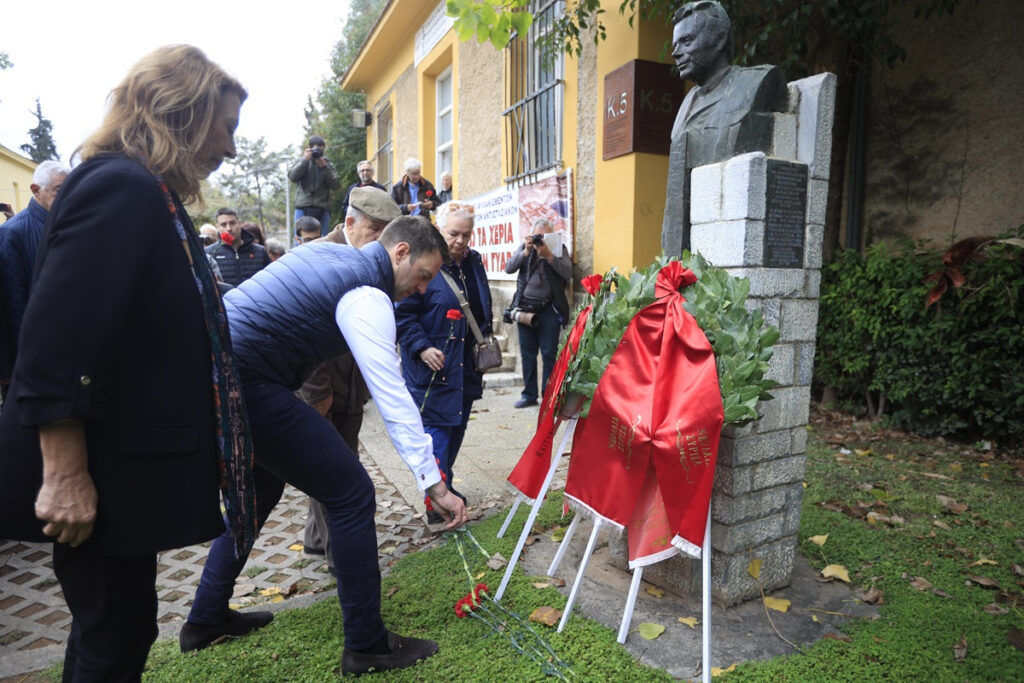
70	54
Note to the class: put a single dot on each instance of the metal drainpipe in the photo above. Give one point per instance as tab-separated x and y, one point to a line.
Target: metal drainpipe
858	155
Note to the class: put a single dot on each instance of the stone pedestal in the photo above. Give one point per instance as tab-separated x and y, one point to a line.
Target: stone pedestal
762	217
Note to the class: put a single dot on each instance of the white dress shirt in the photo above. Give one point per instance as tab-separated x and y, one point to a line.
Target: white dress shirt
366	318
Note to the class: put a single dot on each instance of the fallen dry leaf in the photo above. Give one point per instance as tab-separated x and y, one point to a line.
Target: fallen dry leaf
941	594
941	525
497	561
656	592
956	467
891	520
295	547
836	571
951	504
960	649
983	581
530	540
777	604
555	581
481	575
818	540
243	589
995	609
920	583
718	671
689	621
391	591
980	561
873	596
541	584
1018	570
754	568
390	550
650	631
1016	638
270	591
546	615
842	637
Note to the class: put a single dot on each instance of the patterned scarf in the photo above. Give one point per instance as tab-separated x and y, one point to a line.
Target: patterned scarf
234	441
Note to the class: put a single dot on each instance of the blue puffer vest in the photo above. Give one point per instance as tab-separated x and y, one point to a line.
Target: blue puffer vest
282	318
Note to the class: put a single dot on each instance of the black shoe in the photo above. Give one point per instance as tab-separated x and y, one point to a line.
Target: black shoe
198	636
404	653
526	402
311	550
434	517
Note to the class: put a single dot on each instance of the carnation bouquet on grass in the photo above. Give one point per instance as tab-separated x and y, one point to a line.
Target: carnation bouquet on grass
741	341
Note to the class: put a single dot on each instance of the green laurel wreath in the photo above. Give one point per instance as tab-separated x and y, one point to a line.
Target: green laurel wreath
741	341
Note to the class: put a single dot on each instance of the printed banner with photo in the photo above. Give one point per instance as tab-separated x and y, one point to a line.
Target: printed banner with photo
505	217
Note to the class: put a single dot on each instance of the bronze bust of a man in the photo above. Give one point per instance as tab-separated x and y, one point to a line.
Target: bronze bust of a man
729	112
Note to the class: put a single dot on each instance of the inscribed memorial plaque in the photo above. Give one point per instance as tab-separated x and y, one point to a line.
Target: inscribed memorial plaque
785	214
640	103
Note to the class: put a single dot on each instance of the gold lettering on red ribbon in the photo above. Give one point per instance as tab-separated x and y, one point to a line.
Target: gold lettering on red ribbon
694	450
621	436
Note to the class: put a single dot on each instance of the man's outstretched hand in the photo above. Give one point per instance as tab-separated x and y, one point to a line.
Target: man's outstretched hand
448	505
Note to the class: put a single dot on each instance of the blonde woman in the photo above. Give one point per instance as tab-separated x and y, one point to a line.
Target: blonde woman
125	396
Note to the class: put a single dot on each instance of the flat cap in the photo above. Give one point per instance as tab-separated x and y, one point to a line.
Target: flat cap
375	203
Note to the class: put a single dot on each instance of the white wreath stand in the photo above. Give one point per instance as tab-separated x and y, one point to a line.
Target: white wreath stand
634	587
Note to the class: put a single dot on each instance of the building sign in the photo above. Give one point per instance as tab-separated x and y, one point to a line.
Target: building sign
641	99
504	217
432	31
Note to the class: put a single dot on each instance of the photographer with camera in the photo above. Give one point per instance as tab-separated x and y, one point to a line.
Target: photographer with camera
539	307
315	178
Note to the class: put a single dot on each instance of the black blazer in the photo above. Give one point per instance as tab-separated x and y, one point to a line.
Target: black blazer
114	334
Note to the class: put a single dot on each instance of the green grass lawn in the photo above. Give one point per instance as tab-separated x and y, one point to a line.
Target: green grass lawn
857	478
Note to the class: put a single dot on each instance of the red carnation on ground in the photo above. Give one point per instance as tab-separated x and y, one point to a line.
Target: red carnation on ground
453	314
592	283
227	238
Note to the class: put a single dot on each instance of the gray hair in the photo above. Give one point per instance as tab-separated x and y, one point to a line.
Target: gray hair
275	246
364	161
413	163
45	172
446	213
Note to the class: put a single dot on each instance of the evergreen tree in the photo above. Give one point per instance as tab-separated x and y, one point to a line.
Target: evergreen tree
42	148
331	116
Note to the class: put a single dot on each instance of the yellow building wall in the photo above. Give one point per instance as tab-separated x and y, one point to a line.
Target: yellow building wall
15	177
629	190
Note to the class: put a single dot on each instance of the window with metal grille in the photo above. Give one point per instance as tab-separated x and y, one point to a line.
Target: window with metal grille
384	147
534	90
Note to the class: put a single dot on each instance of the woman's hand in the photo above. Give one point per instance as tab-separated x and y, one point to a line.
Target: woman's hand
433	357
67	498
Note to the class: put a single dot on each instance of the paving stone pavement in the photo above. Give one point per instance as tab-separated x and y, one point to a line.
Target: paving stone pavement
33	613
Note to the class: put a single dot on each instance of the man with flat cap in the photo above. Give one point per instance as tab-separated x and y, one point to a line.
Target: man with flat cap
728	113
336	389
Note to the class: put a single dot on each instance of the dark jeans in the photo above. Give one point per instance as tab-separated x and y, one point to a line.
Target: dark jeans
322	215
113	609
294	444
543	337
448	441
317	534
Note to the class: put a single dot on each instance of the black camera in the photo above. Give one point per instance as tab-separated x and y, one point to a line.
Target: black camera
5	208
518	315
537	240
317	153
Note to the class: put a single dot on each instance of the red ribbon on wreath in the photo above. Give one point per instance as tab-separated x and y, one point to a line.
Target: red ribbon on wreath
645	456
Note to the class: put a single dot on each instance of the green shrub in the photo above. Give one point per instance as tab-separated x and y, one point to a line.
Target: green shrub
955	368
